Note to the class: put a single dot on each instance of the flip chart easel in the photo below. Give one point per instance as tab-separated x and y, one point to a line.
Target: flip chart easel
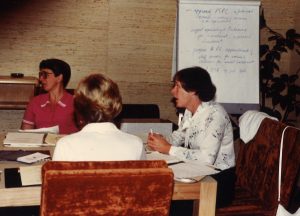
222	37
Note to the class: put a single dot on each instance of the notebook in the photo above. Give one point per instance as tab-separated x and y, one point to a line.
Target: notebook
22	176
13	155
16	139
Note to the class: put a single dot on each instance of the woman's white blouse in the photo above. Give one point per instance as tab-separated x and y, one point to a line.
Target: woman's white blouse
206	136
99	142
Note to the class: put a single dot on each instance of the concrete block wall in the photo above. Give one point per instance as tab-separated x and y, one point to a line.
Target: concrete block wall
130	41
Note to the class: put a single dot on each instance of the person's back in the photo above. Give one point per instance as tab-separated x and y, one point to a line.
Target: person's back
99	142
97	102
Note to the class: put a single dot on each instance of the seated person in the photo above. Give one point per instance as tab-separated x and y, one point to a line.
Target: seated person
56	106
205	132
97	102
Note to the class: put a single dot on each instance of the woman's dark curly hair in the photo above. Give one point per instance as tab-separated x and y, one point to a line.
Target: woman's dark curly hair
196	79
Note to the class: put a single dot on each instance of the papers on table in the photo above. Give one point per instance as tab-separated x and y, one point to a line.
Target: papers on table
54	129
31	175
159	156
141	129
192	169
51	139
17	139
22	176
188	169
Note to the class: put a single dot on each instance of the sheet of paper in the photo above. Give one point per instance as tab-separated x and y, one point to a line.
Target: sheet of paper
51	139
24	145
192	169
17	139
54	129
160	156
141	129
143	136
31	175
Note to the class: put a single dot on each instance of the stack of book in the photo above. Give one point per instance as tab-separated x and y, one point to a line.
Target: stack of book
17	139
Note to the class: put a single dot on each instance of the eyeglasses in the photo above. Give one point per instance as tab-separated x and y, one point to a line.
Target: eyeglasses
44	74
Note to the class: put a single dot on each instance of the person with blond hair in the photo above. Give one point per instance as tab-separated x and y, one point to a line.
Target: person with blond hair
97	101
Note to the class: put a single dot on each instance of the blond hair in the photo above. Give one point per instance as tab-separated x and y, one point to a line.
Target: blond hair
97	99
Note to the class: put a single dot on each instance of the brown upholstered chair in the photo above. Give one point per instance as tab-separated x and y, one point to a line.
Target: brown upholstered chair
106	188
257	171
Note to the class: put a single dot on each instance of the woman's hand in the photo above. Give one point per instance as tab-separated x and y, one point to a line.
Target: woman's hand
158	143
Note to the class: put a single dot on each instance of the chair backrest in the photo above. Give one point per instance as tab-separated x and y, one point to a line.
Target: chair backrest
257	163
139	111
106	188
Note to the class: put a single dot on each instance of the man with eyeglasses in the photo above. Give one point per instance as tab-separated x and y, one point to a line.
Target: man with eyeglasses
55	107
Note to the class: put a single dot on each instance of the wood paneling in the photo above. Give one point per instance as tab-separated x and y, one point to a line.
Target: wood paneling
16	92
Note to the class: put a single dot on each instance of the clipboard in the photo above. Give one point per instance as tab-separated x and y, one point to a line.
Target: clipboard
12	178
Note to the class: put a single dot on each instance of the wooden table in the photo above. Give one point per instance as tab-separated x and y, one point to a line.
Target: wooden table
203	193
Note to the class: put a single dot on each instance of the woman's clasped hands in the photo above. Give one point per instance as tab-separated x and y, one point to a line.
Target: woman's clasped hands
158	143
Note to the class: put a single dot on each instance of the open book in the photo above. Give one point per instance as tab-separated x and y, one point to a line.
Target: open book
16	139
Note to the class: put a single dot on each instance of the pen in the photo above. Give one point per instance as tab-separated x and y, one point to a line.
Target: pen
173	163
151	131
180	118
213	167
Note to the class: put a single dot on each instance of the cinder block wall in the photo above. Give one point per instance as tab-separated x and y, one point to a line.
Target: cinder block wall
130	41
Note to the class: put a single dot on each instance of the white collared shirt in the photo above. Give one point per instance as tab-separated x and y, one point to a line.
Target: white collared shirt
206	136
99	142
